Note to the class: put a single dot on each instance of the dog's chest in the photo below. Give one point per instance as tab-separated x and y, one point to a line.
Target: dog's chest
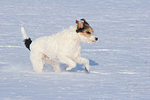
71	49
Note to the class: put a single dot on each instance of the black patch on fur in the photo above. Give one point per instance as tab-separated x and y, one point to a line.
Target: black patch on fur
27	43
82	29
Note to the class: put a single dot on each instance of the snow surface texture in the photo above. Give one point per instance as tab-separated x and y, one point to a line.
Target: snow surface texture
120	60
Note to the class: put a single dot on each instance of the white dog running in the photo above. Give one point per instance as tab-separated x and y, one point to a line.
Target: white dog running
63	47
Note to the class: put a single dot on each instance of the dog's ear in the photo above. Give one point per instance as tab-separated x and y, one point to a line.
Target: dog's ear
85	22
80	24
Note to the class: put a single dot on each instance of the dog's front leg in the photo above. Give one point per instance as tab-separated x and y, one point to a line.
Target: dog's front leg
84	61
66	60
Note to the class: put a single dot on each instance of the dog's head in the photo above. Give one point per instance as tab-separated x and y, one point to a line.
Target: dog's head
86	32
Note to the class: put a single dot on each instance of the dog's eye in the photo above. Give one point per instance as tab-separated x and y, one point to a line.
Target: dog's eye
88	32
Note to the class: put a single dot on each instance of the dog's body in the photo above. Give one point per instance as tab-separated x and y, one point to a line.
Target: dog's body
63	47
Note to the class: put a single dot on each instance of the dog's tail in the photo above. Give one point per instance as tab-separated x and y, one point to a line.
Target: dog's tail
27	41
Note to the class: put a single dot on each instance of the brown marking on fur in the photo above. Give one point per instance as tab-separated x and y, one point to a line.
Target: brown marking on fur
86	69
85	21
86	35
66	67
87	32
92	30
45	57
79	24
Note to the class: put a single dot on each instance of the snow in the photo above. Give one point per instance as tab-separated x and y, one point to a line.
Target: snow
120	60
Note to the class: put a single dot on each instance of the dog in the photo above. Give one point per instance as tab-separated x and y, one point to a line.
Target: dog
63	47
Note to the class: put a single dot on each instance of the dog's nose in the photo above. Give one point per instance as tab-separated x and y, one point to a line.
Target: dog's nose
96	38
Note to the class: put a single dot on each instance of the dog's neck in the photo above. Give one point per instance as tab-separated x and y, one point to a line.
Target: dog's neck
75	36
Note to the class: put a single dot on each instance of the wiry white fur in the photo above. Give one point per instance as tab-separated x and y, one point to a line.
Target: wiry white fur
63	47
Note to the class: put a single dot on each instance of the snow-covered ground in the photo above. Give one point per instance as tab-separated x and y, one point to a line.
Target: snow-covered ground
120	60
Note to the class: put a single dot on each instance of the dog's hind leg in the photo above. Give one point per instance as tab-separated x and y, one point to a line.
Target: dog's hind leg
55	65
37	62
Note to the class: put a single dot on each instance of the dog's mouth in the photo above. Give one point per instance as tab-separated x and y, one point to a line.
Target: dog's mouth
93	41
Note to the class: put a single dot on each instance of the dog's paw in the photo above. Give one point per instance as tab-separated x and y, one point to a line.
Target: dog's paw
68	68
87	68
